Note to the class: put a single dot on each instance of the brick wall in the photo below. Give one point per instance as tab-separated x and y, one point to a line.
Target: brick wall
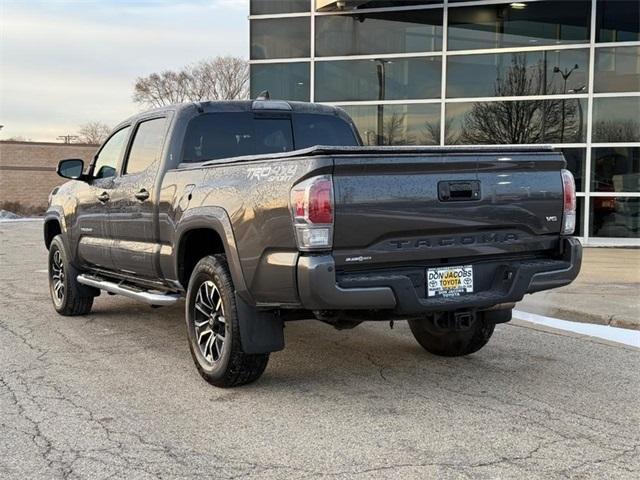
28	169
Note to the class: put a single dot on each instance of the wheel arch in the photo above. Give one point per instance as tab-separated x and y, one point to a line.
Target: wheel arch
52	227
207	231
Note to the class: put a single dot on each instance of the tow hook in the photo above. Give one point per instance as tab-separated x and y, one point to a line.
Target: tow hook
456	321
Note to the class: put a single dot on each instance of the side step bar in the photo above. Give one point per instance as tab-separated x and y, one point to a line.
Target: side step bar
159	299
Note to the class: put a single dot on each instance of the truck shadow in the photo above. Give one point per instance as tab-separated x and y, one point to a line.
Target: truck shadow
318	356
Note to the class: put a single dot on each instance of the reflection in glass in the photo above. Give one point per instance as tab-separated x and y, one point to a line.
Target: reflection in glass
516	122
615	169
329	5
524	73
411	124
617	69
614	217
506	25
378	79
147	145
284	81
576	158
280	38
378	33
264	7
616	119
618	21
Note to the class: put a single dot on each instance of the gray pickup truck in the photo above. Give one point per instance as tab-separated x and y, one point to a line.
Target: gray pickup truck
262	212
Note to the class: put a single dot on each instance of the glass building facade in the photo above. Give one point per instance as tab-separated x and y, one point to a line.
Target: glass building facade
484	72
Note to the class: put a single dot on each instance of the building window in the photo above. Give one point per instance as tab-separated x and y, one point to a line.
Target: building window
280	38
412	124
379	33
517	74
618	21
519	24
266	7
617	69
616	119
516	122
378	79
615	217
284	81
576	159
615	169
335	5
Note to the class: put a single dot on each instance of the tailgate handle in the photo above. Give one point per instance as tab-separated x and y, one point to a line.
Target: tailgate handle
459	191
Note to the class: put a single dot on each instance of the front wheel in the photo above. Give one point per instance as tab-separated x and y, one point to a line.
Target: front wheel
213	327
449	342
69	297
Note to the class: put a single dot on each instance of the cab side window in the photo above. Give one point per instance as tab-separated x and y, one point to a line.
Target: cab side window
110	154
147	145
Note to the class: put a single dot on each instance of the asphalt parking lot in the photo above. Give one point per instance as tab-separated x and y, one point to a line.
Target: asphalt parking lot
115	395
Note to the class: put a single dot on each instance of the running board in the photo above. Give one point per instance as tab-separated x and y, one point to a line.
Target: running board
159	299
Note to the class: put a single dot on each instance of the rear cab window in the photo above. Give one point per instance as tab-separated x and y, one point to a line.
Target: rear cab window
214	136
314	129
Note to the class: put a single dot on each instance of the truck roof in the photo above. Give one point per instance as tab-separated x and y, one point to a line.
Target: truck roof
220	106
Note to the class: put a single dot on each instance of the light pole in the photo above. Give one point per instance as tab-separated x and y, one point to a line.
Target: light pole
580	113
381	71
566	73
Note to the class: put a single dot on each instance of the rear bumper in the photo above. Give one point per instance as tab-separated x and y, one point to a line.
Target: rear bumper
402	291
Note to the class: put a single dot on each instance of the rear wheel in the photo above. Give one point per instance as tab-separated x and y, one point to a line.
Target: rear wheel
213	328
448	342
69	297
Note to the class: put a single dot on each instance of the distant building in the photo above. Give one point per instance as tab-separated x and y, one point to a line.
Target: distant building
28	172
558	72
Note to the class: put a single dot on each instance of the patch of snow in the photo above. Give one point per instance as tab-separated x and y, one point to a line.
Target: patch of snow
613	334
6	215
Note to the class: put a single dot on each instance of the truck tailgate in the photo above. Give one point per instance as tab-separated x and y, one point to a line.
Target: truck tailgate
403	208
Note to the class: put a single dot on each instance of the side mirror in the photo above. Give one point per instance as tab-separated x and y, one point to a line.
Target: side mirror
72	168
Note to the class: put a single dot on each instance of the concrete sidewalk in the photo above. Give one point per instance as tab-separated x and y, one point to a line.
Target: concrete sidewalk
607	291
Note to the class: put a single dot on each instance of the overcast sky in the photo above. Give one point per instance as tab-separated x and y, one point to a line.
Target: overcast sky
66	62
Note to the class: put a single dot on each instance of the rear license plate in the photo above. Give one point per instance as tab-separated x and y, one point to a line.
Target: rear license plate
449	281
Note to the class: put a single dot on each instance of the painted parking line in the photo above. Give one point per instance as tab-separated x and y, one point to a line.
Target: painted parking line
613	334
20	220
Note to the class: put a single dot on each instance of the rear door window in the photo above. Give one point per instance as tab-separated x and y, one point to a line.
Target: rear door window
147	145
224	135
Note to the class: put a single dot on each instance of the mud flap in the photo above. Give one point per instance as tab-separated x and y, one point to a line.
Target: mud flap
260	332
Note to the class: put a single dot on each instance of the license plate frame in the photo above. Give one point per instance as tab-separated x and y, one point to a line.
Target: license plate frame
452	281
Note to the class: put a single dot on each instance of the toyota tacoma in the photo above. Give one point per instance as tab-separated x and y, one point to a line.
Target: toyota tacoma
262	212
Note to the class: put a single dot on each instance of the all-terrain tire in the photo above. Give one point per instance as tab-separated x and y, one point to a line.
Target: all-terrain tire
225	366
69	297
452	343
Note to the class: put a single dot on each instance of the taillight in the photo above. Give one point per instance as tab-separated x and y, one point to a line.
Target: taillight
569	209
312	211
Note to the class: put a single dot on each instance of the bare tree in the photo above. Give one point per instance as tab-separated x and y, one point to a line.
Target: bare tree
17	138
220	78
517	122
93	132
615	130
430	134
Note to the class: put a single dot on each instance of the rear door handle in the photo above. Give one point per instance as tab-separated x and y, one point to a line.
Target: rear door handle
103	197
142	195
